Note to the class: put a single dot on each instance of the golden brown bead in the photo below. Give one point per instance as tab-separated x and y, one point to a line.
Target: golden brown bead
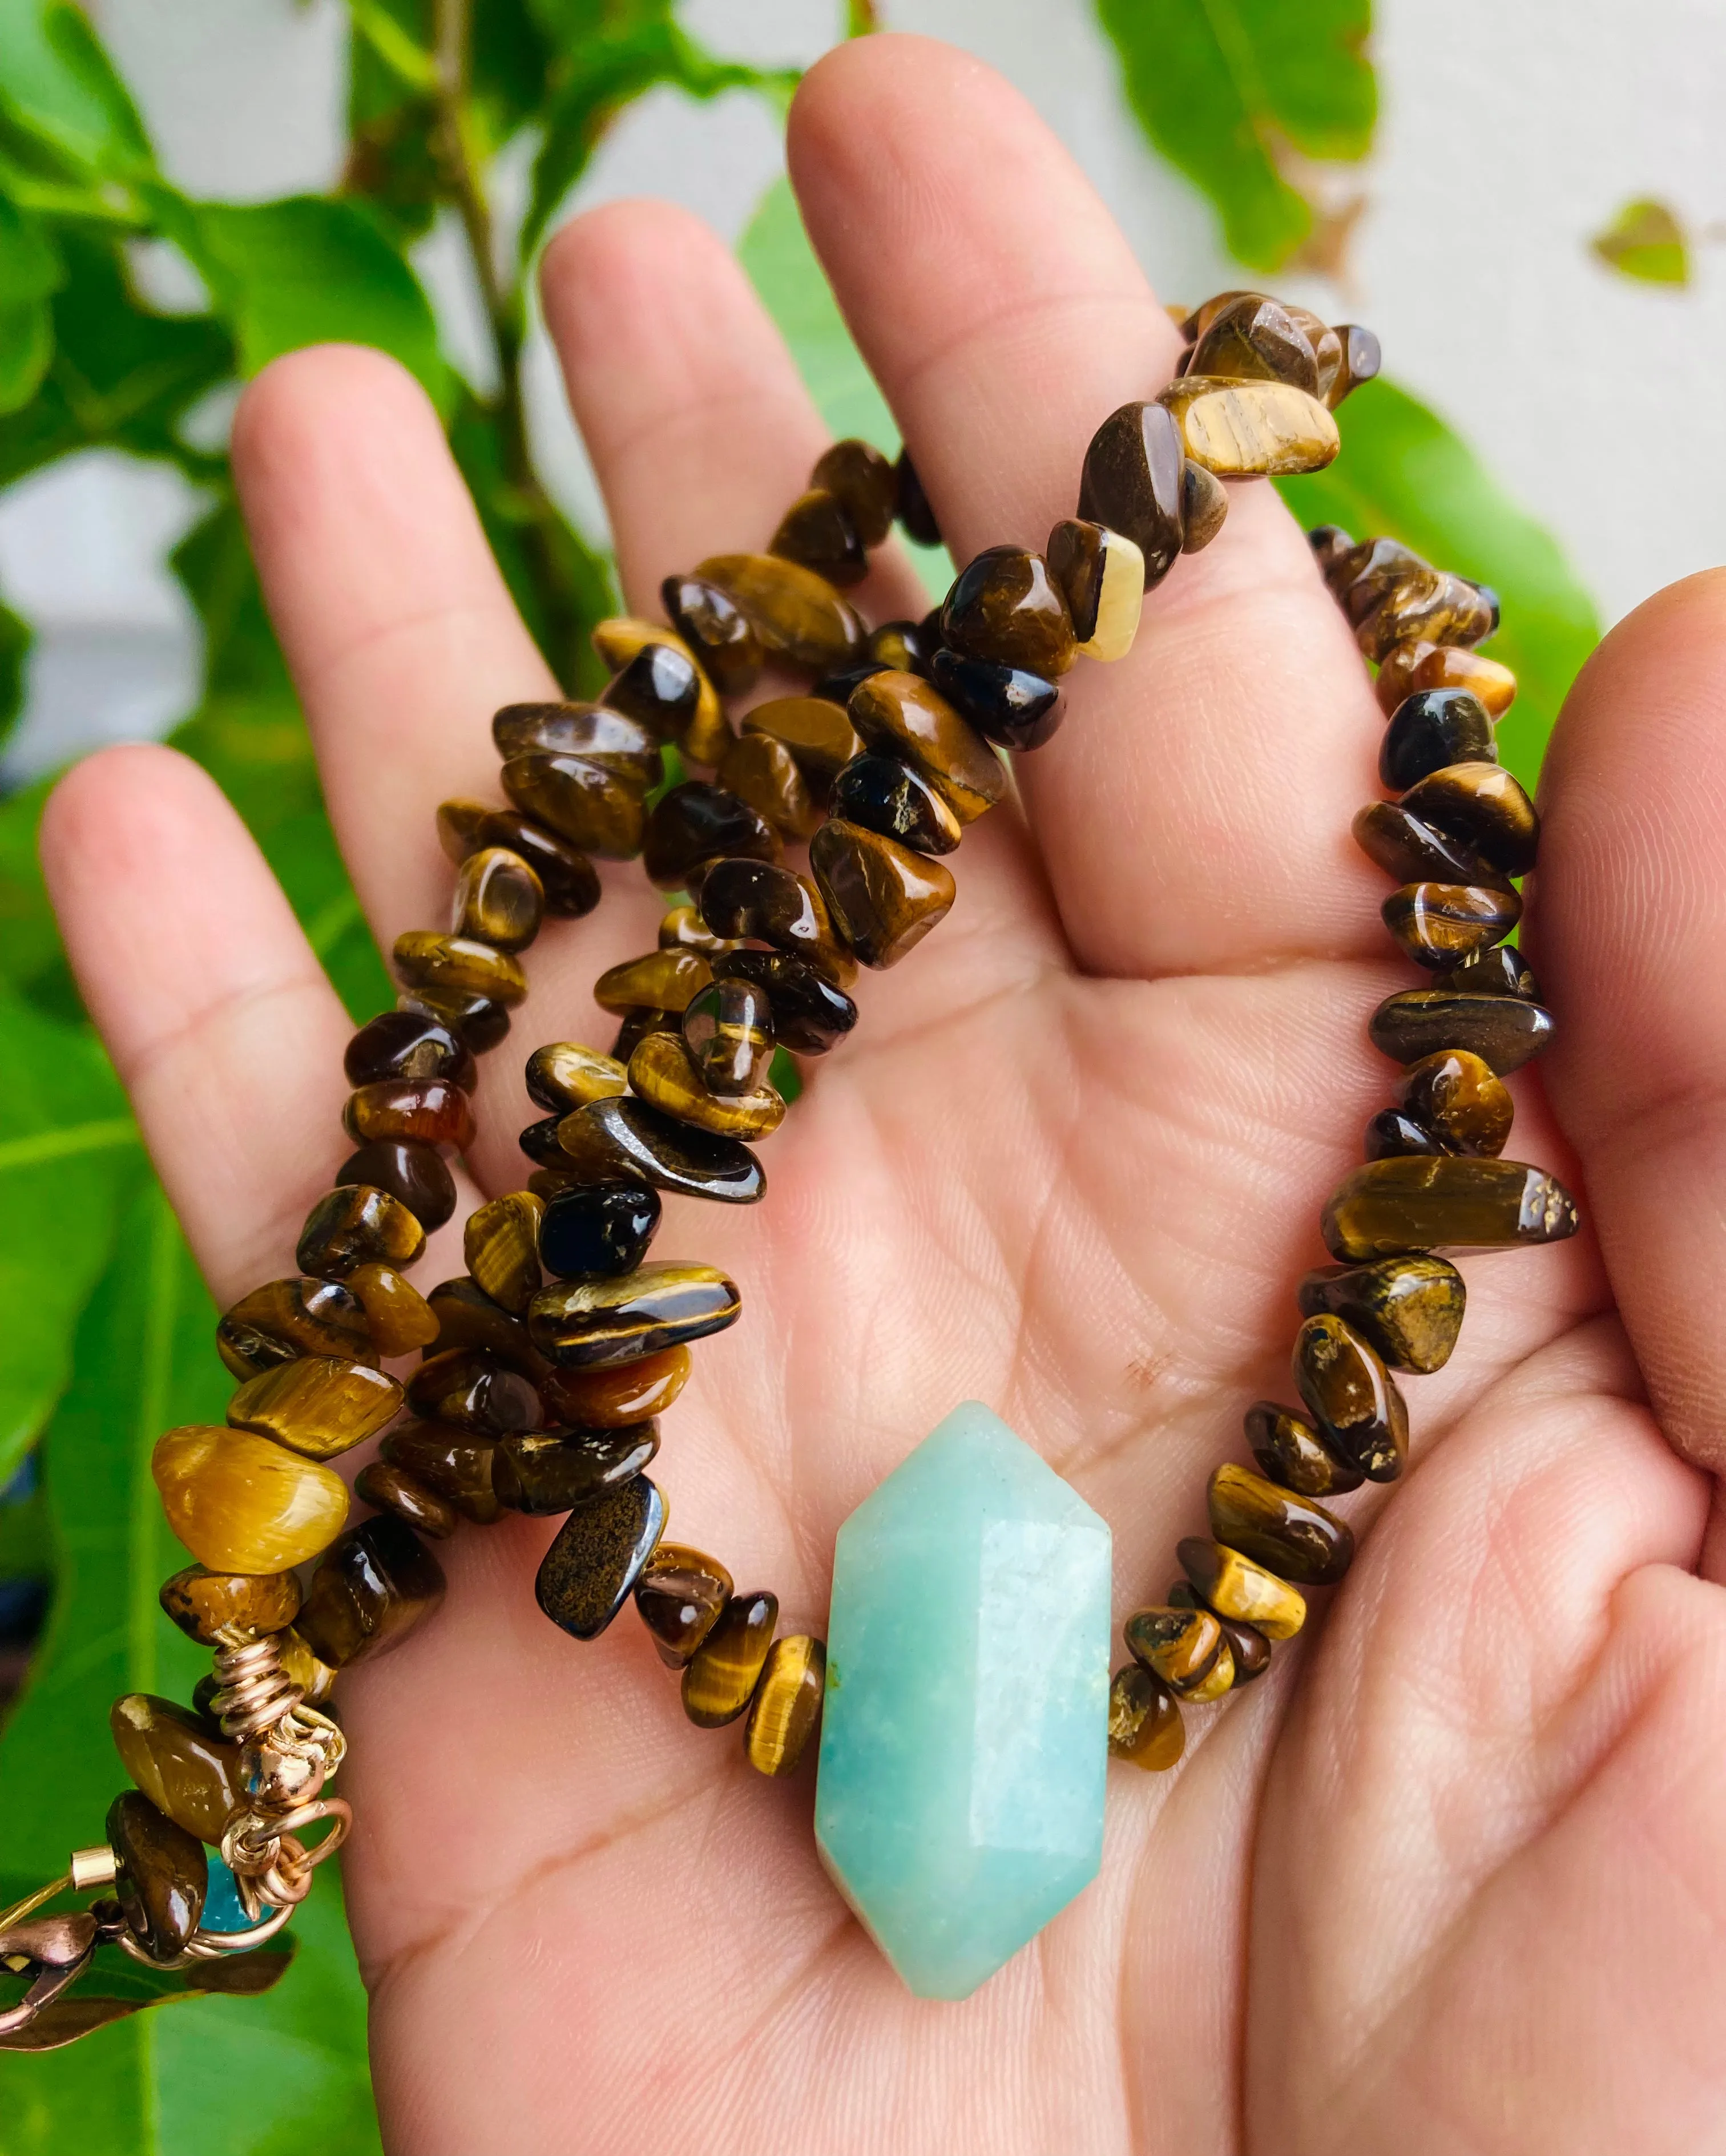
786	1708
1101	574
242	1504
1457	1097
770	903
1484	808
1177	1647
607	1397
427	1111
683	929
663	1073
1248	429
466	1388
205	1604
659	689
795	612
906	716
596	809
315	1678
376	1583
1248	1647
600	732
1218	1678
398	1318
1344	1383
728	1030
454	1465
590	1570
393	1490
1503	972
819	736
1504	1031
417	1175
320	1405
568	878
1420	665
1439	924
476	1021
501	1249
864	481
458	962
818	530
467	1318
696	823
1204	505
763	773
1255	339
163	1875
355	1225
290	1317
679	1597
1005	608
1132	483
1231	1585
563	1075
191	1776
1409	1308
664	980
717	630
619	640
635	1138
1414	852
912	504
884	898
1422	603
722	1676
499	900
1145	1724
410	1046
1389	1207
1288	1535
580	1323
883	795
546	1471
1290	1451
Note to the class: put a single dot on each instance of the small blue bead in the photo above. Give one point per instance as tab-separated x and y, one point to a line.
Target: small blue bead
222	1908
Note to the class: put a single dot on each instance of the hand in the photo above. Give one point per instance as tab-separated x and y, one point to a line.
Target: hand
1453	1877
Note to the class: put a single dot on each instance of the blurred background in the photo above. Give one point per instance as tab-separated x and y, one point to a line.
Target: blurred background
1524	201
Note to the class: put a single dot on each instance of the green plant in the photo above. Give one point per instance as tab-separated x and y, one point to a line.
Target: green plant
114	1346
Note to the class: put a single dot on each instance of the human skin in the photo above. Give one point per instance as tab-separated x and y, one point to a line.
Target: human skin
1452	1877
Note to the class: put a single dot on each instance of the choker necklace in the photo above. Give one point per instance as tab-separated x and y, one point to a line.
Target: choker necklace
963	1698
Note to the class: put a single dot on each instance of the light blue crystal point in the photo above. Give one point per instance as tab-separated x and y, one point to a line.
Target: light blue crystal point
964	1739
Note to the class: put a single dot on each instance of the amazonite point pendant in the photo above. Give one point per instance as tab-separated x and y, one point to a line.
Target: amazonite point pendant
964	1738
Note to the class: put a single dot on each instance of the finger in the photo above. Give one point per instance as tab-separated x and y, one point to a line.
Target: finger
701	433
224	1031
1630	915
1194	812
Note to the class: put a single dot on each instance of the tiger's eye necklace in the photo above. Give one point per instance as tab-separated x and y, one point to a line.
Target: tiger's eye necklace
963	1695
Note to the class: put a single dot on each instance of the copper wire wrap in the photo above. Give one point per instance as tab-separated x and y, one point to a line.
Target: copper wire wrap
253	1691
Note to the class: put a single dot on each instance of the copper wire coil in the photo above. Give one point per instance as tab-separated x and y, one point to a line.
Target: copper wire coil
254	1691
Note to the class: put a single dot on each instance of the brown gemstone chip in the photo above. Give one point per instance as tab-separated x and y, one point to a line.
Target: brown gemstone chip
1005	608
499	900
393	1490
1482	806
1414	852
818	734
793	611
407	1044
468	1317
1248	1646
355	1225
663	981
191	1776
1457	1097
429	1110
819	531
663	1072
453	1463
595	808
417	1176
728	1030
320	1405
1504	1031
1179	1646
660	688
716	629
1145	1725
1504	972
1205	505
1232	1586
545	1472
609	737
1292	1452
1132	483
563	1075
1439	924
679	1597
500	1248
1250	429
670	1155
1344	1384
606	1397
1287	1534
1421	665
205	1603
469	1389
884	898
695	824
287	1318
722	1676
375	1585
163	1875
1390	1207
786	1708
770	904
590	1571
578	1323
865	480
906	716
1255	339
762	772
461	962
397	1315
1409	1308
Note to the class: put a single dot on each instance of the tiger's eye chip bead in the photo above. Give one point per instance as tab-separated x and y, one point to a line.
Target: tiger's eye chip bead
545	1472
376	1583
660	688
241	1503
466	1388
1504	1031
1430	730
417	1176
1291	1450
1255	339
191	1776
1179	1647
762	774
1204	503
397	1317
355	1225
728	1030
1503	972
820	532
680	1596
609	1396
1248	1649
1391	1207
591	1568
634	1139
717	630
809	1014
721	1677
796	613
696	823
1458	1097
1344	1384
1481	805
454	1465
786	1708
1132	484
663	1073
882	794
815	733
1101	574
903	716
424	1111
499	900
1145	1725
204	1604
1230	1585
320	1405
288	1318
770	904
163	1875
1007	704
564	1076
408	1046
884	898
1409	1308
1250	429
1443	925
1004	607
579	1323
415	1503
501	1249
864	481
1289	1535
597	1230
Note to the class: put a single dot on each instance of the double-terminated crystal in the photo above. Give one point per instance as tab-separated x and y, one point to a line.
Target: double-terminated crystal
964	1740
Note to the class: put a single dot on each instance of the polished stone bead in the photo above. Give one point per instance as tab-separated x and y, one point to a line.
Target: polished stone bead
670	1155
540	1142
397	1315
795	613
1419	665
1203	507
683	929
1145	1725
578	1323
405	1044
1361	361
1219	1678
1391	1207
315	1679
720	1678
1361	577
717	631
696	823
884	898
1482	807
607	1396
817	732
1430	729
1391	1132
663	1074
1232	1586
964	1740
762	772
864	479
1255	339
786	1709
569	879
770	903
1287	1534
1249	1649
680	1596
1343	1381
203	1603
664	981
1409	1308
728	1030
1438	925
191	1776
542	1472
809	1014
1179	1647
498	900
417	1176
594	808
1456	1096
163	1875
466	1388
1292	1452
1247	429
597	732
819	531
839	688
1501	972
240	1503
468	1317
1504	1031
597	1230
590	1570
500	1247
457	1467
1132	483
1101	574
376	1583
459	962
1330	543
429	1110
883	795
912	504
320	1405
352	1227
563	1075
393	1490
1423	603
1414	852
1007	706
477	1020
287	1318
903	645
902	715
1005	606
659	687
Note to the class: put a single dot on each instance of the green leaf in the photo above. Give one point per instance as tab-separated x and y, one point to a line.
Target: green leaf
26	348
155	2083
1226	88
1404	474
15	640
30	264
308	270
1645	241
57	82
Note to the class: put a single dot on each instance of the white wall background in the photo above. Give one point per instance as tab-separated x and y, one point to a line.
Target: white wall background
1510	130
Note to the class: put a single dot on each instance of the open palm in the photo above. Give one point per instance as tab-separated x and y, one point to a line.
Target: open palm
1453	1877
